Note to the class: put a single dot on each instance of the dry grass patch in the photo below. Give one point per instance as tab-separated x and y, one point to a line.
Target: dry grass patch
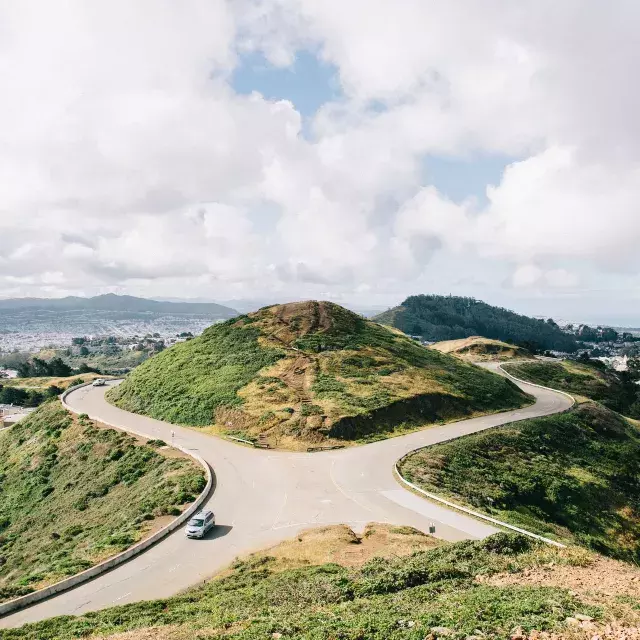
44	383
339	544
479	349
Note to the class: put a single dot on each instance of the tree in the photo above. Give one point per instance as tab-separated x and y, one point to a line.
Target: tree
587	333
57	367
84	351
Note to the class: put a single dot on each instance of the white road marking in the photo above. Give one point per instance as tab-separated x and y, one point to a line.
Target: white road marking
123	596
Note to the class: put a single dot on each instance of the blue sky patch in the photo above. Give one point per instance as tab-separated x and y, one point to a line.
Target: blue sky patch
308	83
461	178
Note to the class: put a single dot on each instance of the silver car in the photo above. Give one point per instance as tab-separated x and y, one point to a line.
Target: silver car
198	526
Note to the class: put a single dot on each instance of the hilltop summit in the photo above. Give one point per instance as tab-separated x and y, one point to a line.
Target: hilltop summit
438	318
309	373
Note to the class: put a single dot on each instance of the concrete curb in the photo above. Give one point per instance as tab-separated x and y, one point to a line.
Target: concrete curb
539	386
92	572
475	514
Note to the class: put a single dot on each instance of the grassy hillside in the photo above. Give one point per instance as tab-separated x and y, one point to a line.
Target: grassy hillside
73	494
575	476
440	318
612	389
478	349
43	383
309	372
328	585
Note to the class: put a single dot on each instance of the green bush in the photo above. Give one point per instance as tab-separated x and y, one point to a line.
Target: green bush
546	475
87	504
258	599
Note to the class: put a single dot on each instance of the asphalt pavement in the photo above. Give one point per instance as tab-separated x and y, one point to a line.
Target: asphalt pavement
262	497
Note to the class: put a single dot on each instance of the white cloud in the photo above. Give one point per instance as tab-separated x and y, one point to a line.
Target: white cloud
127	160
527	275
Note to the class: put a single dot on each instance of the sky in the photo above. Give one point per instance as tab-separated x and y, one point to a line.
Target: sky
356	151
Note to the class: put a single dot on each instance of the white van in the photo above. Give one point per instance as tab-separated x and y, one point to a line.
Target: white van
99	382
198	526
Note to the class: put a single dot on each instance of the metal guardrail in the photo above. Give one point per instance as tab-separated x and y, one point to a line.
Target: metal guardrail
470	512
539	386
327	448
98	569
253	444
466	510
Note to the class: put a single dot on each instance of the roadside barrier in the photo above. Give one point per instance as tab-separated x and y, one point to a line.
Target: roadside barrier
98	569
253	444
470	512
328	448
539	386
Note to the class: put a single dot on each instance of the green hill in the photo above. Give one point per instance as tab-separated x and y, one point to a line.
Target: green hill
330	584
73	494
309	373
440	318
574	476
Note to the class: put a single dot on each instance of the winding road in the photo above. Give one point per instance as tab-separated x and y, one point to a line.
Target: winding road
262	497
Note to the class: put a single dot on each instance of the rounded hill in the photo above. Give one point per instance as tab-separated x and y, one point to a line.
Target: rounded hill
478	349
309	373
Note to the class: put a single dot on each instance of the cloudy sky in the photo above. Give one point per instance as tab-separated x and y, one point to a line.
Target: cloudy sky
357	150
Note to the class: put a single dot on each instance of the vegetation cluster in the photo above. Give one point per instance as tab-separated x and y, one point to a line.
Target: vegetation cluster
309	373
617	390
574	476
73	494
429	592
436	318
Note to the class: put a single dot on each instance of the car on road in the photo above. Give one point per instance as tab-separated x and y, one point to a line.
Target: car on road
99	382
198	526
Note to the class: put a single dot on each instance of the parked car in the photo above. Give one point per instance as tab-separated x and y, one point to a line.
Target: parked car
99	382
198	526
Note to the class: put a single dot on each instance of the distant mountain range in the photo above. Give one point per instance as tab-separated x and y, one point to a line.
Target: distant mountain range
113	302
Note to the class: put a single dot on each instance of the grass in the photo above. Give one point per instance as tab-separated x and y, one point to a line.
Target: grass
476	349
310	373
573	476
42	384
603	386
73	494
396	597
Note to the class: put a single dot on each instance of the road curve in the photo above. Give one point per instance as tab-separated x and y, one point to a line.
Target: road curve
263	497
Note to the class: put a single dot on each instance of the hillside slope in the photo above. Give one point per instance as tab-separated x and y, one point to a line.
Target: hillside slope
478	349
73	494
440	318
575	476
613	389
309	372
329	583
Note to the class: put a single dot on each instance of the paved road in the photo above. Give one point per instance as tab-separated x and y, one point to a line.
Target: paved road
263	497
